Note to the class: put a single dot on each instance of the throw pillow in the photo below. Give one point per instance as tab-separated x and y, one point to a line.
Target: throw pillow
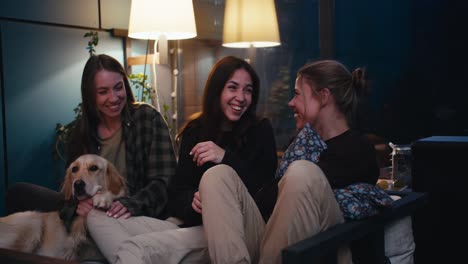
361	200
307	145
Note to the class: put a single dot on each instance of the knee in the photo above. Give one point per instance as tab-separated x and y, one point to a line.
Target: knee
24	196
13	195
219	175
19	187
18	190
302	175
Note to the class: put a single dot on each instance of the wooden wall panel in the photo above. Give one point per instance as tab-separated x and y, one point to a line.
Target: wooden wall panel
115	14
82	13
209	17
198	58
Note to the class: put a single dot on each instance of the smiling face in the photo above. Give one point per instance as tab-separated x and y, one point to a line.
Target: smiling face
305	104
236	96
110	93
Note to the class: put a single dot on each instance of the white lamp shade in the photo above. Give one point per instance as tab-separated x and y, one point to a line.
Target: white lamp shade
155	19
250	23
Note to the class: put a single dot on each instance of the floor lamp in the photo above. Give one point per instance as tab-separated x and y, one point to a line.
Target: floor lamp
162	20
250	24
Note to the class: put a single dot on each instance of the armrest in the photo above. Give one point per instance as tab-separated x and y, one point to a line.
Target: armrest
328	242
13	256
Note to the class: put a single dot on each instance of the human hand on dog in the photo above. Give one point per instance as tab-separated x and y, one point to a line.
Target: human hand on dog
117	210
207	151
84	206
196	203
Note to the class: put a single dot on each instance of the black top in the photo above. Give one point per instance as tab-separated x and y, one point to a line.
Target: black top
349	158
255	162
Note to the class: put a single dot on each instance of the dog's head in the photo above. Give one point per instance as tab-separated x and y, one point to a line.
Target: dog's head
89	174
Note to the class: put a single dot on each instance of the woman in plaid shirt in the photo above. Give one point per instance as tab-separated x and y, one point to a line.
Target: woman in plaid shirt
133	136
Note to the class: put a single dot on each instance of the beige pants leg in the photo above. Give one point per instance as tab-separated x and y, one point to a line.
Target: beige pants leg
232	222
305	206
109	233
182	245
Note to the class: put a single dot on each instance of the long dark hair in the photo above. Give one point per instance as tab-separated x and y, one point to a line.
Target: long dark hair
211	116
85	132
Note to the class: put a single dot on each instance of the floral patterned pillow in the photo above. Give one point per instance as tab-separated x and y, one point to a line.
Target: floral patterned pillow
361	200
307	145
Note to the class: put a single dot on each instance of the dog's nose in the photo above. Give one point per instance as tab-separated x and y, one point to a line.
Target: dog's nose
79	187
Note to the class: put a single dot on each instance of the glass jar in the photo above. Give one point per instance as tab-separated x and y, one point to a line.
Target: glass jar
401	165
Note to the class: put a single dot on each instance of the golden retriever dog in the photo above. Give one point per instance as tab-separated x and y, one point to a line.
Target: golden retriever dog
46	233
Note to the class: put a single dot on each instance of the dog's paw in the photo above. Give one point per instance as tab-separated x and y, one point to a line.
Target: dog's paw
102	200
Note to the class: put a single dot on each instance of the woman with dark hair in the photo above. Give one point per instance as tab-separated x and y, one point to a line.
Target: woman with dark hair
85	137
225	148
226	131
133	136
214	114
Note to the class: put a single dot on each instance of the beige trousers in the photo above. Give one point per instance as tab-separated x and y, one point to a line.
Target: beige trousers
232	222
109	233
181	245
233	230
305	206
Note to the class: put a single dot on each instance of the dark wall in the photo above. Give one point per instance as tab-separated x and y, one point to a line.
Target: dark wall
415	53
3	179
439	68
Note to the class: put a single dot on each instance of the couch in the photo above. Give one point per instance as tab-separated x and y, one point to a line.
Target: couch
381	233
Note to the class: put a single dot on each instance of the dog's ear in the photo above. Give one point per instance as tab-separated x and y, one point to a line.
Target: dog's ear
67	185
115	181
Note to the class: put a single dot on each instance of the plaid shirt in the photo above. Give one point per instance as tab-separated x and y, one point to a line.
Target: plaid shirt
150	161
